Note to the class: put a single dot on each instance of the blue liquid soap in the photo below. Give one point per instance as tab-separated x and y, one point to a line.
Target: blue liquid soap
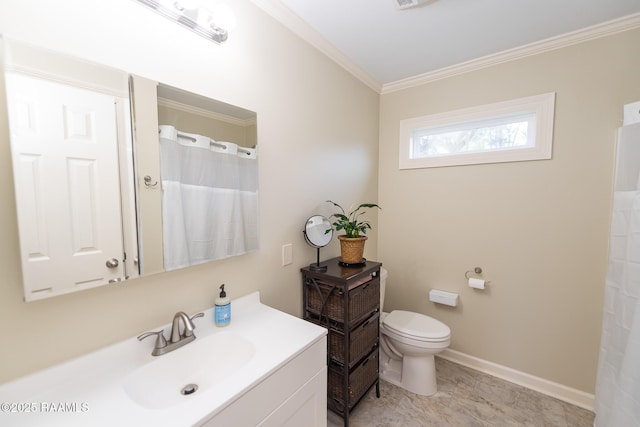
222	309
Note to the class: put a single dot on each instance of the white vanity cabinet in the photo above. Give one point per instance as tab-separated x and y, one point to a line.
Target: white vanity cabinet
294	395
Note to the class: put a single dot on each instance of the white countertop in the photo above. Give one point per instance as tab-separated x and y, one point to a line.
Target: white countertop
88	390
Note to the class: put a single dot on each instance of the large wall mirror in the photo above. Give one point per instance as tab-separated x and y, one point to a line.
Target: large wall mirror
118	176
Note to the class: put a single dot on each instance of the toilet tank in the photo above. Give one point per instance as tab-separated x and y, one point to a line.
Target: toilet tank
383	286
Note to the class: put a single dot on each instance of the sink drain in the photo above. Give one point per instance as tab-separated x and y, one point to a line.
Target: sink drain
189	389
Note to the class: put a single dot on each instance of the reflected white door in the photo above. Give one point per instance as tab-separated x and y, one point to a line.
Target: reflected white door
65	161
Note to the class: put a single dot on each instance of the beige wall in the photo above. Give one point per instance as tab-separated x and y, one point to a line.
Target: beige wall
318	139
538	229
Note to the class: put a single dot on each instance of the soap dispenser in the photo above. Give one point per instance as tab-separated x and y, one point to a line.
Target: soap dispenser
222	309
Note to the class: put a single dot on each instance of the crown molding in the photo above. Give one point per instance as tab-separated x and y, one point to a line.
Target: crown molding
293	22
204	113
608	28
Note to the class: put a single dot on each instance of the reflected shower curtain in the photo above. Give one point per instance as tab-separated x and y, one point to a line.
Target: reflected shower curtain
209	200
617	400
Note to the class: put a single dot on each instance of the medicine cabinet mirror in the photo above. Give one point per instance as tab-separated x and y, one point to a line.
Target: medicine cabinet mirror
86	215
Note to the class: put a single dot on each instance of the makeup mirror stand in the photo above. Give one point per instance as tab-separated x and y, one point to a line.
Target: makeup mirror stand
318	233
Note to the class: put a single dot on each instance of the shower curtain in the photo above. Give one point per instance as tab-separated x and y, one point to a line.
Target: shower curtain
617	399
209	199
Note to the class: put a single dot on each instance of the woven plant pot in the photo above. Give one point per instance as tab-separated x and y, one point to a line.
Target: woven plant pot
352	249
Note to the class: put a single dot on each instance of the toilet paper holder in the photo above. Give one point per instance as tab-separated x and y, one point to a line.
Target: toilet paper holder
476	270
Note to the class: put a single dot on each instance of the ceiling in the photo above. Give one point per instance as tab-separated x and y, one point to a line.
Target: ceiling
383	44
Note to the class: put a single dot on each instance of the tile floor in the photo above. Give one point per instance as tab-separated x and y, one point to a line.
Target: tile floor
467	398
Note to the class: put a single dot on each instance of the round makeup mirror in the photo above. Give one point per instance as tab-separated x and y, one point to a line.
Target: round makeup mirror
318	233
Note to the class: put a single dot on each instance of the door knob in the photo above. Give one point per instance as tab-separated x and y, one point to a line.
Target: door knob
112	263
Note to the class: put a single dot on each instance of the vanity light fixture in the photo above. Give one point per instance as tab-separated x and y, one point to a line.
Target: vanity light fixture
198	20
407	4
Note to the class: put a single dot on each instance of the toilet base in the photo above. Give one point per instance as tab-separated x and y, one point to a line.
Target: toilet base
415	374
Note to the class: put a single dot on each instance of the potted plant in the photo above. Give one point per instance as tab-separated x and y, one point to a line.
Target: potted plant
352	241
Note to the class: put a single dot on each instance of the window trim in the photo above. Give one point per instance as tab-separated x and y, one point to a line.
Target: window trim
542	105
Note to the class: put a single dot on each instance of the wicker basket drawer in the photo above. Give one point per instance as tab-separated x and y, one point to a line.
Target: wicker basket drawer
325	299
362	340
363	377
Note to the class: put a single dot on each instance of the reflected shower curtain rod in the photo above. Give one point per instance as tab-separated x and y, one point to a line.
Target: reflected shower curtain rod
212	142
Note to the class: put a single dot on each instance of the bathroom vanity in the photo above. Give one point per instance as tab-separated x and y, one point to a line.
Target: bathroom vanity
346	301
266	368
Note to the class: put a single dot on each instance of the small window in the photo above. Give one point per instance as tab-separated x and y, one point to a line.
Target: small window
510	131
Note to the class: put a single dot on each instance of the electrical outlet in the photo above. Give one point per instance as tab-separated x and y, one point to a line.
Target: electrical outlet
287	254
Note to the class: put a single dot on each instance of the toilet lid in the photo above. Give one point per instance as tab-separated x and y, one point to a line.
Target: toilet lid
416	326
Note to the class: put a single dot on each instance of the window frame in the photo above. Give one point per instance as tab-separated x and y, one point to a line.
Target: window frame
543	106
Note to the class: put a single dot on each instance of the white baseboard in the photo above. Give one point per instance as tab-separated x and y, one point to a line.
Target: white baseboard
559	391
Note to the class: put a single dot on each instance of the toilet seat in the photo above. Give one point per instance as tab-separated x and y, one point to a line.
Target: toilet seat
416	326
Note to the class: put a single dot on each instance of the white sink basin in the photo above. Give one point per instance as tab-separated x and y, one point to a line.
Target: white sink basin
203	363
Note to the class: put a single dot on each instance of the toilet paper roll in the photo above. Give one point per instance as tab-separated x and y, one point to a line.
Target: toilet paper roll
476	283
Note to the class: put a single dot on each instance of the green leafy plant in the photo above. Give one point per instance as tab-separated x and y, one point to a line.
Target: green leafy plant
349	221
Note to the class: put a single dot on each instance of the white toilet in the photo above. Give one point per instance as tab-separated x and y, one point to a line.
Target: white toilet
408	343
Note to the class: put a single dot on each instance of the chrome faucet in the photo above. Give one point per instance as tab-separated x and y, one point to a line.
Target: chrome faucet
177	339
